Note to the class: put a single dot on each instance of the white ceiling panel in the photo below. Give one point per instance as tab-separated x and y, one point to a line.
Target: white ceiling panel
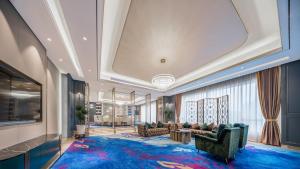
188	34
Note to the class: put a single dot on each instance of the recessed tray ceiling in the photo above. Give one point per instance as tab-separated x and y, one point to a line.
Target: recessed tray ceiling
187	35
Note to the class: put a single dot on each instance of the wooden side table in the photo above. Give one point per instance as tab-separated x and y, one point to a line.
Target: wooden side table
178	136
172	134
183	136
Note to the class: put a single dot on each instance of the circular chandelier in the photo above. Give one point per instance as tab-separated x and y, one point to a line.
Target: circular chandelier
163	81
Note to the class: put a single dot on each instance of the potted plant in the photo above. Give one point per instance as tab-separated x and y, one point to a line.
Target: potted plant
80	114
186	125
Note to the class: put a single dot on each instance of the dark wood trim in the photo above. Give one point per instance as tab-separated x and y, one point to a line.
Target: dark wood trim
290	115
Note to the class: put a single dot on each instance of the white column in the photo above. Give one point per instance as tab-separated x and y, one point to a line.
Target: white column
148	108
113	109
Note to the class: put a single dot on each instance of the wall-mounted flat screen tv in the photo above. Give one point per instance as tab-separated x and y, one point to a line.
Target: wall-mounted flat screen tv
20	97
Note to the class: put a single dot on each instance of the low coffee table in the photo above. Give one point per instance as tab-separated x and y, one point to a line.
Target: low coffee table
182	135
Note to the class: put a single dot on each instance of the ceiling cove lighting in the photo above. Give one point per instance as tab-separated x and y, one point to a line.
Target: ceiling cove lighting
163	81
58	17
235	74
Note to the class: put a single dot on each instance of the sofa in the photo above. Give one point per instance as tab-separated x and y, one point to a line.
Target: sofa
148	130
196	129
225	145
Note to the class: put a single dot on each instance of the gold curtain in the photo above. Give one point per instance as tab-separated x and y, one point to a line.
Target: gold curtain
178	107
269	97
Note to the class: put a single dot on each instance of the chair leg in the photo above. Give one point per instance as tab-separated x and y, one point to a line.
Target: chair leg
226	160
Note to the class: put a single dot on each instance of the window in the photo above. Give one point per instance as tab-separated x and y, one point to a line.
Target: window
143	113
146	117
243	102
153	111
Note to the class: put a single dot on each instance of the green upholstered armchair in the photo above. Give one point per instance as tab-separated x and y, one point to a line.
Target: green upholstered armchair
224	146
243	134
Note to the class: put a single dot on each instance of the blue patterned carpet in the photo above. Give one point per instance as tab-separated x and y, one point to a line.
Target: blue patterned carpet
132	152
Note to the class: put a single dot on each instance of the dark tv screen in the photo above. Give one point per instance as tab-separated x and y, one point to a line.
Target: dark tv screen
20	97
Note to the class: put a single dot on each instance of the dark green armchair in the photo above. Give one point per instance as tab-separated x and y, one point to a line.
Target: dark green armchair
243	134
224	146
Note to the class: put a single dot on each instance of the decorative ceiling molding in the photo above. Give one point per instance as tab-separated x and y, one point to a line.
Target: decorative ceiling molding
115	13
261	23
61	24
179	32
243	71
263	37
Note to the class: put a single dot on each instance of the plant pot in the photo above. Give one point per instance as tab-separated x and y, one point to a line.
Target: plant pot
80	129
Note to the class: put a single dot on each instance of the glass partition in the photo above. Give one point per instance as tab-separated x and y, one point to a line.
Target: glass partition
116	111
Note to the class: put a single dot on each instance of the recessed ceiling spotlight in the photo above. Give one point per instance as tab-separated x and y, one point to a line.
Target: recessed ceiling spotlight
89	70
49	39
163	60
84	38
61	59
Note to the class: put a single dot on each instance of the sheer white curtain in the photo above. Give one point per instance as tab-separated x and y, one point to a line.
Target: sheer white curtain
143	113
148	113
146	118
243	102
153	111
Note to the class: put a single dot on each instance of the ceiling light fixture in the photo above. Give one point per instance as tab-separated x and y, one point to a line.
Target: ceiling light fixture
163	60
84	38
49	39
61	59
163	81
58	16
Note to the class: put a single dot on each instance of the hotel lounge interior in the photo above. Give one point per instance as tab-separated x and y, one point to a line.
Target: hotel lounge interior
149	84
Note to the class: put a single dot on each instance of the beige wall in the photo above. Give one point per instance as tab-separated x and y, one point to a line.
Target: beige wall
52	99
22	50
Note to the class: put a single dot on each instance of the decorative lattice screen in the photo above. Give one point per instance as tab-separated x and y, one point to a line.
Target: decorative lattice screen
200	107
211	110
223	109
191	111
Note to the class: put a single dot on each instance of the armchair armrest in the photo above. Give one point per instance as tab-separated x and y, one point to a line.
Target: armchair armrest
212	135
205	138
